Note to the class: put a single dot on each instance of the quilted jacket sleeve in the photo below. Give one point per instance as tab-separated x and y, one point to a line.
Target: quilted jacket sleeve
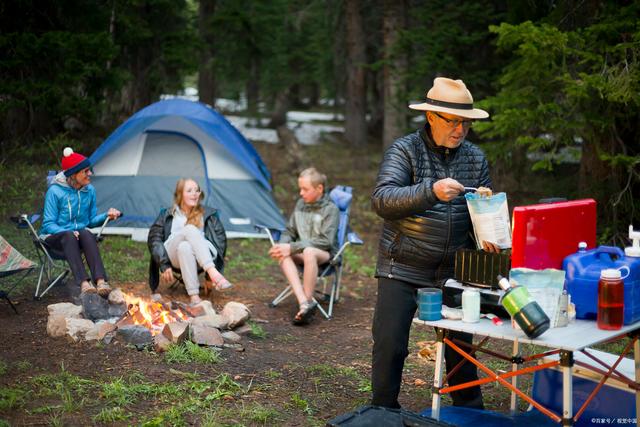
155	242
395	195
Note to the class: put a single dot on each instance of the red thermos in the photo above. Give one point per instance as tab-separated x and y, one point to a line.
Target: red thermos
610	299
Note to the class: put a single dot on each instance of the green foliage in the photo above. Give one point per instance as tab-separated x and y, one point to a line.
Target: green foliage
111	415
3	367
450	39
577	88
190	352
289	40
11	398
64	59
355	262
257	330
125	259
158	44
300	403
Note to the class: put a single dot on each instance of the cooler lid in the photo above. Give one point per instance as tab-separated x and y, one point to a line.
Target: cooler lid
544	234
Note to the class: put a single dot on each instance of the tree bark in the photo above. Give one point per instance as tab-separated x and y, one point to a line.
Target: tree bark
395	65
206	75
280	108
253	88
355	108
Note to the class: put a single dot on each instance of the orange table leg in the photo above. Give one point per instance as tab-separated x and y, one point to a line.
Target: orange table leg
489	372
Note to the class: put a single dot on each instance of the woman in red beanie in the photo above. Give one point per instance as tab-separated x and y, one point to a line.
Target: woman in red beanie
69	210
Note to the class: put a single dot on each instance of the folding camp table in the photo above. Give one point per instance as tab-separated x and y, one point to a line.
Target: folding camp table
577	336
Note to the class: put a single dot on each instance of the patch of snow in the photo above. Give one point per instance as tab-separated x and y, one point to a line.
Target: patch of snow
300	122
231	105
306	116
181	96
310	133
253	134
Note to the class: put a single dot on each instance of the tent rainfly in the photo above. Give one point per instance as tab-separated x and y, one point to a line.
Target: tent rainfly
137	167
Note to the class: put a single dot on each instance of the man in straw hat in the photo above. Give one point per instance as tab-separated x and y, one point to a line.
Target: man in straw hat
420	195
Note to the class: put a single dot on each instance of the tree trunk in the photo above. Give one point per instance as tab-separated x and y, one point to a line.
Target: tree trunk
314	94
280	108
206	76
253	88
395	64
355	109
376	103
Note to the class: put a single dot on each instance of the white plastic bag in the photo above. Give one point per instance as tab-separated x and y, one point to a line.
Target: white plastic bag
490	219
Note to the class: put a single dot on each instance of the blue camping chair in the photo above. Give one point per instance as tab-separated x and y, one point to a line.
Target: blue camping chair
330	273
53	265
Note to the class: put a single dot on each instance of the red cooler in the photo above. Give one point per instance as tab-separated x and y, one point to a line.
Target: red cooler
543	235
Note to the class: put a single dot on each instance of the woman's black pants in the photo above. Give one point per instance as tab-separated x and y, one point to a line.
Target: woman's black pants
73	248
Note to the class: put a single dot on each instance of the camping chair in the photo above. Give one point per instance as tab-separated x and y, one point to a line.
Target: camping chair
53	265
330	273
12	262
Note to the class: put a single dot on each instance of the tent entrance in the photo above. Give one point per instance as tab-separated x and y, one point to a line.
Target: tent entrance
171	154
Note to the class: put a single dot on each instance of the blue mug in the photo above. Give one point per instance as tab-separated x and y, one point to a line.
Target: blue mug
429	304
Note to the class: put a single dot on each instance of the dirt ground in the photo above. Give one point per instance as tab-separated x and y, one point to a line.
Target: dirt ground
295	353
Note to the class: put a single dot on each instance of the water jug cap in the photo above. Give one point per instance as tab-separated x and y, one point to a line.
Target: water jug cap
634	249
582	246
610	273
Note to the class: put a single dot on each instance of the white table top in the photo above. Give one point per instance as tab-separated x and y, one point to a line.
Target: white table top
574	337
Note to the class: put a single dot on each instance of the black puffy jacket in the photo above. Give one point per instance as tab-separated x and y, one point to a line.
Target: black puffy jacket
421	234
161	229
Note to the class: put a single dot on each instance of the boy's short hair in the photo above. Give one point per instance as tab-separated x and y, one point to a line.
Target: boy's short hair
316	178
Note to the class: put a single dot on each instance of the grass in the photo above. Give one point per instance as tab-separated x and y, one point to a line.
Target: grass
111	415
124	259
176	402
248	260
12	398
189	352
356	263
257	330
302	404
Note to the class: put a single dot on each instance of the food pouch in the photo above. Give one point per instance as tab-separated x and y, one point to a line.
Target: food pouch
490	219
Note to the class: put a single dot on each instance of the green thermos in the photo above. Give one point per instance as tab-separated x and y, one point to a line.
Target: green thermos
523	309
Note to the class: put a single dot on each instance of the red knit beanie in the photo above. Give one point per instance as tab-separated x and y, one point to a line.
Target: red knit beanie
73	162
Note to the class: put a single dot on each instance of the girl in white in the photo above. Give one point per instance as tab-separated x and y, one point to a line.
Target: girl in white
186	236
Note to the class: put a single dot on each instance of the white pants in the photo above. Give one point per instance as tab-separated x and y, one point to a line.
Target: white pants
185	248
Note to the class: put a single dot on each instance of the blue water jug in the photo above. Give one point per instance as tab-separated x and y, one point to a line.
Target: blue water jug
583	273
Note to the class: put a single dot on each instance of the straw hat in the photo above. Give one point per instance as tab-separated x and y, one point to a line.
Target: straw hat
450	96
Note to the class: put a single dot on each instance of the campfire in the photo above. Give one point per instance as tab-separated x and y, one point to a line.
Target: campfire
151	314
143	322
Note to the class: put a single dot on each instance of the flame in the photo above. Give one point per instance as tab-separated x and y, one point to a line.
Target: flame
150	314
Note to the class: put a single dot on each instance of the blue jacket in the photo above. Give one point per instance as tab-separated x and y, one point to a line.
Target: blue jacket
68	209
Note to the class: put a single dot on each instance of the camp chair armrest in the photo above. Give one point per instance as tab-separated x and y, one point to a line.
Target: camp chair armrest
354	239
273	233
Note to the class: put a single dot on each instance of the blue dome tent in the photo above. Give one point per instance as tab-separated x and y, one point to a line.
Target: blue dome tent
137	166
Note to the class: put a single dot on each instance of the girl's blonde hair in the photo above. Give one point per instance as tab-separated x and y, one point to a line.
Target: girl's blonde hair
316	178
195	217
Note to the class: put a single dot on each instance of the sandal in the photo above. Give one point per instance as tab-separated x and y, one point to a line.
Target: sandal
306	313
221	283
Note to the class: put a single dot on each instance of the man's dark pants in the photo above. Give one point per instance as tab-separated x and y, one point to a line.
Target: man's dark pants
73	248
395	308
